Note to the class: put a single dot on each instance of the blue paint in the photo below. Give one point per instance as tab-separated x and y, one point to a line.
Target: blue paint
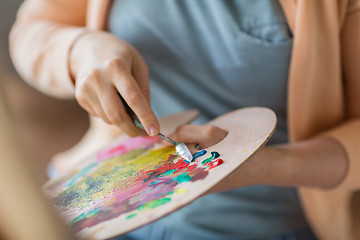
199	154
81	174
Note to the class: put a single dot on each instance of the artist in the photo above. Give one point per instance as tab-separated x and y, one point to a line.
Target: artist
299	58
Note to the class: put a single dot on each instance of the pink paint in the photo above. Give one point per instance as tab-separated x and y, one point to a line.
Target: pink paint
127	146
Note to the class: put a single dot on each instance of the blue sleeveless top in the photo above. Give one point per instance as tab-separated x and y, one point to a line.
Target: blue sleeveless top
217	56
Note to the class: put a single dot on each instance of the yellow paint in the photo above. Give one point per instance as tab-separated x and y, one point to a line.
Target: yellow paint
180	191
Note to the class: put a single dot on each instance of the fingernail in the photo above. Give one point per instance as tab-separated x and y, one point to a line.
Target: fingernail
153	131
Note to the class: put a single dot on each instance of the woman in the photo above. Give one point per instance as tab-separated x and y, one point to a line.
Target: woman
222	55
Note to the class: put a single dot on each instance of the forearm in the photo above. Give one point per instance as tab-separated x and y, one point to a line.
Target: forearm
40	56
315	163
40	42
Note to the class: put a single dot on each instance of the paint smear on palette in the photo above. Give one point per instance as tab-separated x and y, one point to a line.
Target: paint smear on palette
131	177
125	147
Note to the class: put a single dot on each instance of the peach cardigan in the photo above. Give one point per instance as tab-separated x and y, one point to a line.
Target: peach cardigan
323	89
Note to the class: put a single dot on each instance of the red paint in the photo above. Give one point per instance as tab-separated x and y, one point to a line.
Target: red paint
180	165
215	163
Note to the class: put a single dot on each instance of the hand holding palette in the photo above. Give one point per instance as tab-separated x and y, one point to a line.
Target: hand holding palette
135	181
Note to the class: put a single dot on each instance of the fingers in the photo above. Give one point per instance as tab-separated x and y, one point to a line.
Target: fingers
98	110
98	94
132	94
116	113
87	98
141	74
204	135
106	65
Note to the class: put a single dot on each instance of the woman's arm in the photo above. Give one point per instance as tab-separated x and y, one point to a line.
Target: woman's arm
41	39
317	162
313	163
53	51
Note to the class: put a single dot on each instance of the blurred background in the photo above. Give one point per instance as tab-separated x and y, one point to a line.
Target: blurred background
43	125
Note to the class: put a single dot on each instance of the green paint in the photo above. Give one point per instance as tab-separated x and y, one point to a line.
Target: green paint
167	173
214	155
155	182
183	178
206	160
90	213
155	203
131	216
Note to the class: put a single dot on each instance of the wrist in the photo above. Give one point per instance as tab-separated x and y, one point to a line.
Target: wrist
76	53
276	165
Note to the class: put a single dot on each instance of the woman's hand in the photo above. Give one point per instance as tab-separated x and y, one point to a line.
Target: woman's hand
103	66
202	135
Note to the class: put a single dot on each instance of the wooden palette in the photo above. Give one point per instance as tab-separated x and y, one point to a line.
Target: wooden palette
135	181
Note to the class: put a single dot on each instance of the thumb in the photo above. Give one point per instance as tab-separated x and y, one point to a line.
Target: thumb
204	135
